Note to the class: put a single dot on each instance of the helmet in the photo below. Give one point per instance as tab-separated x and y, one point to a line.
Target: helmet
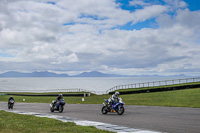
60	95
116	93
10	96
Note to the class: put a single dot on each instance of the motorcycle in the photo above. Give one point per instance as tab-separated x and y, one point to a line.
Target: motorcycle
59	106
117	106
11	104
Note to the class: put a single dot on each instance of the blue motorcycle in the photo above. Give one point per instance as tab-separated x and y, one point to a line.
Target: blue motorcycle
117	106
58	106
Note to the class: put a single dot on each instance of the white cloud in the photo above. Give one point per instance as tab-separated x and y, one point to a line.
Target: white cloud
139	3
148	12
176	4
78	36
66	59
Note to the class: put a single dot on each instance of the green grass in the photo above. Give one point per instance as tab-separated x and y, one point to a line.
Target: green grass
47	93
17	123
178	98
144	88
93	99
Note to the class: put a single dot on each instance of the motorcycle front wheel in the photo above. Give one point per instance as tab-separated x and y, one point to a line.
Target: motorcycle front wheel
120	111
104	110
61	108
11	106
52	108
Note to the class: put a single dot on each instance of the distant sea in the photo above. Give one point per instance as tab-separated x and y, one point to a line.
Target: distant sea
98	85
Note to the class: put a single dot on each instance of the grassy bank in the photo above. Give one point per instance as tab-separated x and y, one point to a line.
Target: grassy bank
17	123
178	98
93	99
165	86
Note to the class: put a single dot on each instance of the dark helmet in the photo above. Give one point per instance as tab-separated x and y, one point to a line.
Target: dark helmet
60	95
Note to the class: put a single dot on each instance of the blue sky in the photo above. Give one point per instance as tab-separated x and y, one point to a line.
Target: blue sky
133	37
193	4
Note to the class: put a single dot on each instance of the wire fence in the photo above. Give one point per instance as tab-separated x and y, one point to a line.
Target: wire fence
51	90
154	84
118	87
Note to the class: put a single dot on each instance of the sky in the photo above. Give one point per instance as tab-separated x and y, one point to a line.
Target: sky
128	37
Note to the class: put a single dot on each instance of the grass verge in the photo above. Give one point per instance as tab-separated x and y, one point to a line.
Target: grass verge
178	98
93	99
165	86
17	123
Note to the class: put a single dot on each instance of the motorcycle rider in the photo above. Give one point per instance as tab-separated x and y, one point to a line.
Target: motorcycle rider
60	97
112	99
11	98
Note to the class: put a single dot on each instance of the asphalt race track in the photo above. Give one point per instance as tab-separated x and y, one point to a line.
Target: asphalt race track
161	119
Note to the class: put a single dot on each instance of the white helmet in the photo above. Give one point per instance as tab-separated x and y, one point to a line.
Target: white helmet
116	93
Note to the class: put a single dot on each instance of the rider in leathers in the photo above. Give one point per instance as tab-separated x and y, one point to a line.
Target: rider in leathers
112	99
60	97
11	98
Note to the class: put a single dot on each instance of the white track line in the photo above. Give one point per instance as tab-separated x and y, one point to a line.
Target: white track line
99	125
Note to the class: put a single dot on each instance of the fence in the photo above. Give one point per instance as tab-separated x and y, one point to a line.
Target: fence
50	90
155	83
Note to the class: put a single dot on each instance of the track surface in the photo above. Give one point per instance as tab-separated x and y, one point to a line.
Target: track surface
163	119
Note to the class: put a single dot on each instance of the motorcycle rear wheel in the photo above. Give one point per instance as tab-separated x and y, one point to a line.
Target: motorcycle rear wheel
104	110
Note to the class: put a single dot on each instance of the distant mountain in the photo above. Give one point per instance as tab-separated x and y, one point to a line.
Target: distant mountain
33	74
13	74
96	74
84	74
47	74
